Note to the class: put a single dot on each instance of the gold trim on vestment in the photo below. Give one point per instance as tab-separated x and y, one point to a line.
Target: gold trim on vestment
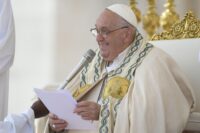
116	87
81	90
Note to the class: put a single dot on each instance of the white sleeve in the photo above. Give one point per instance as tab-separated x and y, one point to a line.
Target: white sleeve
162	98
18	123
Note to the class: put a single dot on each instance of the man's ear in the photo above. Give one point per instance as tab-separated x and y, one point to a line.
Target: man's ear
127	35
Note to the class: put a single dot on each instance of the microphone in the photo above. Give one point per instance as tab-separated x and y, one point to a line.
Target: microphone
87	58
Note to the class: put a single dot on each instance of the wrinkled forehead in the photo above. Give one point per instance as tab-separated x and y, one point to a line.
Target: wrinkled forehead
109	19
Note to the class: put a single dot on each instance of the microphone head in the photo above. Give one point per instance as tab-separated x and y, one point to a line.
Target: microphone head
89	55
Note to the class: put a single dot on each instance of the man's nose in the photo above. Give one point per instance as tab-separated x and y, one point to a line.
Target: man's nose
99	38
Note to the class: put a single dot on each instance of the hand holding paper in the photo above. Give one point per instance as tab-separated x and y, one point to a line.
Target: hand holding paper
61	103
88	110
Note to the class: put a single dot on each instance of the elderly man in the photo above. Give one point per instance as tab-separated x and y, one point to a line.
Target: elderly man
7	47
140	89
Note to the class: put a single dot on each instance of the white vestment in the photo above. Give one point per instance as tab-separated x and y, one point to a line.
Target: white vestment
18	123
158	99
7	41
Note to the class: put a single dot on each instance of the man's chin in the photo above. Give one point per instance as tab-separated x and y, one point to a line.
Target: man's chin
104	57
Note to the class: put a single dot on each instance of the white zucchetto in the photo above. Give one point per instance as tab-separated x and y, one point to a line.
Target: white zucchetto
125	12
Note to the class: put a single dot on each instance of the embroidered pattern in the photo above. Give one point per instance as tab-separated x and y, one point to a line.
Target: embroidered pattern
97	68
81	90
132	69
104	116
83	77
116	87
116	108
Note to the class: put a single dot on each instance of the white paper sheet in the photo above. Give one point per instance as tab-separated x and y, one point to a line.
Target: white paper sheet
61	103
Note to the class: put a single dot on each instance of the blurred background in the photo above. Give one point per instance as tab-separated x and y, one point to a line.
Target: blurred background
51	37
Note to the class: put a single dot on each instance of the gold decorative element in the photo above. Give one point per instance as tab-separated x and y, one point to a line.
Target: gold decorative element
151	19
169	16
189	27
81	90
116	87
135	10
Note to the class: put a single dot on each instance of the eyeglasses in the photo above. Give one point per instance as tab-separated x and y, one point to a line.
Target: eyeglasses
104	33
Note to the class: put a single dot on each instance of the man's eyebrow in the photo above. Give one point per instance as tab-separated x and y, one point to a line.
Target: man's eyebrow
102	28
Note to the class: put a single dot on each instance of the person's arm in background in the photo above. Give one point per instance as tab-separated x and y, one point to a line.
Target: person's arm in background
39	109
23	122
18	123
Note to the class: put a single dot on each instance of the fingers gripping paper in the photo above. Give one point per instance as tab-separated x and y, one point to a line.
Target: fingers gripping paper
61	103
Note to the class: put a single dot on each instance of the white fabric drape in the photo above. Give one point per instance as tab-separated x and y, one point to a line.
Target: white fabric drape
18	123
7	47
